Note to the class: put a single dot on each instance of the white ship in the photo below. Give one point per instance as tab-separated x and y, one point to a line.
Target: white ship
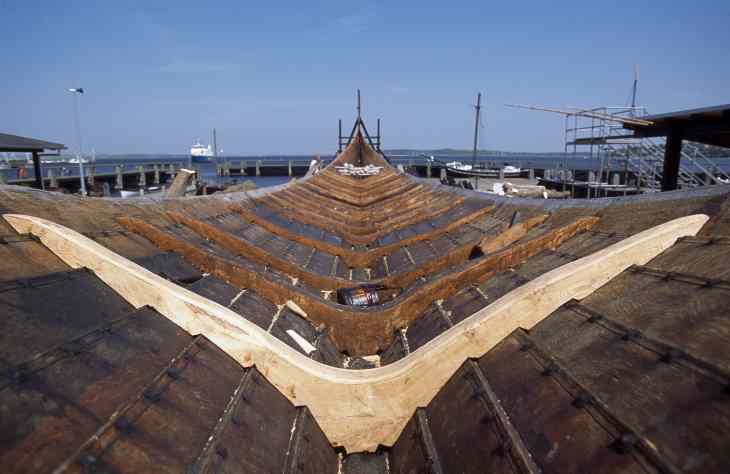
200	153
204	154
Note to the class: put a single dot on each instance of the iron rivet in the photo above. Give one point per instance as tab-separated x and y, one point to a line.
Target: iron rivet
526	346
626	442
122	424
18	376
152	396
87	460
582	400
173	373
550	369
671	355
221	451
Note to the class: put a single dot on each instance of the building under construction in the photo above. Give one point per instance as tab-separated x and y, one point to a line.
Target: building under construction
363	320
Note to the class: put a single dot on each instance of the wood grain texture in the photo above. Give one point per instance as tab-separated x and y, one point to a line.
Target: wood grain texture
358	409
362	331
355	258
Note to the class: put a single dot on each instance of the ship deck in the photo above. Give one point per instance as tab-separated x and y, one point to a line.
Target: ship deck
203	334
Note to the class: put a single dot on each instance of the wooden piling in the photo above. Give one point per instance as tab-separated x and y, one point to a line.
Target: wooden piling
157	174
90	175
243	166
290	170
258	167
119	184
53	180
428	169
142	176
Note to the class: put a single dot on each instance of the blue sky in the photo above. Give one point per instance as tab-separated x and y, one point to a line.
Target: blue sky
274	77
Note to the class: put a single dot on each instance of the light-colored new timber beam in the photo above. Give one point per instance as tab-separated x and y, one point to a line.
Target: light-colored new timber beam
358	409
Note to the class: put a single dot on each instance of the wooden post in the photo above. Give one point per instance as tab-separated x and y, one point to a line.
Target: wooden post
258	167
428	169
37	170
672	157
531	174
290	173
227	168
243	167
53	181
181	183
120	178
142	176
157	173
90	175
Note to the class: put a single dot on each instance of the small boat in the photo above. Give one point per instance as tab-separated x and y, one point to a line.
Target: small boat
462	170
77	160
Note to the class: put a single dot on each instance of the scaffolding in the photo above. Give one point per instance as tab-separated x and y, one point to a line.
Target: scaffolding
622	161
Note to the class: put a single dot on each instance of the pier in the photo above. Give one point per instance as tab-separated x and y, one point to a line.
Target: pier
110	177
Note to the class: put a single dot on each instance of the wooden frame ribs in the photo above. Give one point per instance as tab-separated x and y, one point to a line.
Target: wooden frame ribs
362	331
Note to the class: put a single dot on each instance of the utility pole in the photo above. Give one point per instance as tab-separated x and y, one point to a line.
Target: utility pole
77	123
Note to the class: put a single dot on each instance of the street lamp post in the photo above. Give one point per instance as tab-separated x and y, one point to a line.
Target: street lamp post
77	123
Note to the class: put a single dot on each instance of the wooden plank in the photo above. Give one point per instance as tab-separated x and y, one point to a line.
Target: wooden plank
381	399
355	258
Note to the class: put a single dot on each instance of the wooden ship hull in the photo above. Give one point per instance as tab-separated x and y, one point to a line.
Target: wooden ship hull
204	334
481	173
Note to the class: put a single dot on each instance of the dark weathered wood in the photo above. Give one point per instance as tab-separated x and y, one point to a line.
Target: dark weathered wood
68	391
560	431
661	403
353	333
359	258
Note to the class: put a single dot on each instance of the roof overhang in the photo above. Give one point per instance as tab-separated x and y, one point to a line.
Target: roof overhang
710	125
16	143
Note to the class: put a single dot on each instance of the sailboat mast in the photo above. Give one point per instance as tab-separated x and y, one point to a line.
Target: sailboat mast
634	88
476	129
